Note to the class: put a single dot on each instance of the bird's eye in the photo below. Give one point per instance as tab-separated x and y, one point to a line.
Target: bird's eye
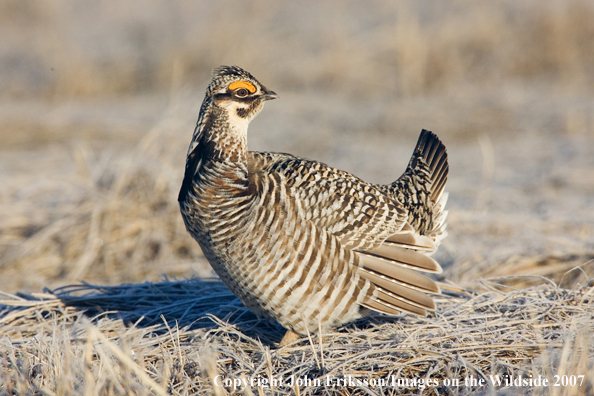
242	92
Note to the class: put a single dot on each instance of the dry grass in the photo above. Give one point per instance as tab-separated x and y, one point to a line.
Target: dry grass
176	337
564	269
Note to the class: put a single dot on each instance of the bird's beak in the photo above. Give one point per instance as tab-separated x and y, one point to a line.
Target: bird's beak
269	95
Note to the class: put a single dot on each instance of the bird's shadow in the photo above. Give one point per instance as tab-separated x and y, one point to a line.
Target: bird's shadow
189	304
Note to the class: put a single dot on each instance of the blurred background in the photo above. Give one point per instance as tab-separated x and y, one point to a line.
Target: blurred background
98	100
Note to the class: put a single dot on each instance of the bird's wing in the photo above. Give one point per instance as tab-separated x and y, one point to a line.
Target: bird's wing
362	215
359	214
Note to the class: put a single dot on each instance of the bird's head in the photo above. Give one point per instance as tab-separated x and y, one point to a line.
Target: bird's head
233	98
238	93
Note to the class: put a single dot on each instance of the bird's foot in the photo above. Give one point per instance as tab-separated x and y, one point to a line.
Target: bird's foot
289	337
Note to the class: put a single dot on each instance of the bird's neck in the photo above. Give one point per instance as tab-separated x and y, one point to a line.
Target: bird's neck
217	157
221	137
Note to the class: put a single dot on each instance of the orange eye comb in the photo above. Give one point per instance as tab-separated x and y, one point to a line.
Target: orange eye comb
242	84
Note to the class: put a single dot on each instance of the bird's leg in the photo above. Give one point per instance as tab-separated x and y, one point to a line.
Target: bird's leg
289	337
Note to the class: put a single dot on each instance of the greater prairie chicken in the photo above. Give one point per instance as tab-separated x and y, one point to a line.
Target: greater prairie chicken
298	241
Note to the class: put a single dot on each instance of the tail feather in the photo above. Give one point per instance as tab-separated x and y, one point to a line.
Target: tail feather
440	179
396	254
430	152
408	238
420	188
439	222
411	296
399	274
401	303
382	307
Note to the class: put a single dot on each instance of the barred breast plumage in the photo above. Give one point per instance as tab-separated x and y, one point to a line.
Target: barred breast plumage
298	241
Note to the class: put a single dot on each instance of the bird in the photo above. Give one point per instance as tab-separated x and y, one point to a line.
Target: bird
299	242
